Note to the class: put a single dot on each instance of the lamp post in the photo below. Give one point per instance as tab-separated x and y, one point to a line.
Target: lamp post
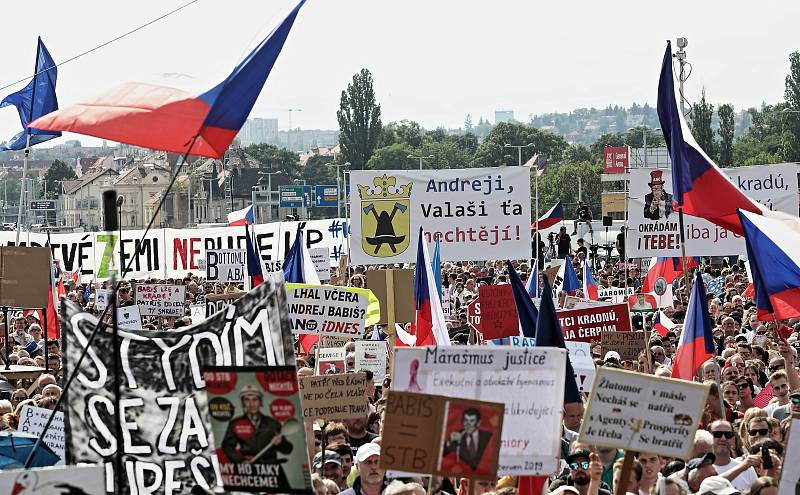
420	158
339	192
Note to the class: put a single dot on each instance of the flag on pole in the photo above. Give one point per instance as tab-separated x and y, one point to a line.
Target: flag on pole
590	287
696	345
698	184
55	292
533	282
567	272
254	268
773	252
170	119
34	100
552	217
549	334
429	326
526	310
298	266
662	324
244	216
436	267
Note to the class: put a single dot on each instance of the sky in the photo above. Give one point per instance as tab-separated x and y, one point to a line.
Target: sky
432	61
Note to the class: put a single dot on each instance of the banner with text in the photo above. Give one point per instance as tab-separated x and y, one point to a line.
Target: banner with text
225	265
327	310
476	212
586	325
160	299
653	220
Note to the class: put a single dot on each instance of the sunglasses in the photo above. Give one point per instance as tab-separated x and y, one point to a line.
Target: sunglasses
579	465
777	367
720	434
758	432
743	385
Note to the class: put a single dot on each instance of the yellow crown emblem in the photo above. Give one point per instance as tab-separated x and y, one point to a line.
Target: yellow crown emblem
384	188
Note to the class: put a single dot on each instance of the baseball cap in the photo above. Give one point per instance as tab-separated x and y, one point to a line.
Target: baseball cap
330	456
366	451
577	453
707	459
717	485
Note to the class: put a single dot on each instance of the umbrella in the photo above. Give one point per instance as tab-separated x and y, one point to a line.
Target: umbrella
15	448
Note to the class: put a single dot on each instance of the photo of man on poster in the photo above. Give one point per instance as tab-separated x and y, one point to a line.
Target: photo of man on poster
468	444
657	203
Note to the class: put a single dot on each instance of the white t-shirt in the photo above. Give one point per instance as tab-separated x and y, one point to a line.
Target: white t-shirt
741	482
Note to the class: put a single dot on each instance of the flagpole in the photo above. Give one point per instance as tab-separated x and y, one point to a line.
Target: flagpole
28	140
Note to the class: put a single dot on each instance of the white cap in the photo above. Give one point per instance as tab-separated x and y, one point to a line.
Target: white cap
717	485
367	450
612	355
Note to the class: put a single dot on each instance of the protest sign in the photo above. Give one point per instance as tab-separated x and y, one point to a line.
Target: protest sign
82	480
341	396
329	361
160	299
447	304
218	302
129	317
438	435
643	413
483	212
371	355
530	382
25	276
397	285
627	344
586	325
322	264
167	438
643	303
225	265
790	474
272	456
582	364
101	299
615	159
572	302
197	312
498	313
326	310
32	420
653	226
615	294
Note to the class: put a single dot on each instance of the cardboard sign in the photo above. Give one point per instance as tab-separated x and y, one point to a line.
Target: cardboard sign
586	325
32	420
643	413
372	355
219	302
334	396
627	344
24	277
443	436
327	310
321	259
403	293
530	382
616	294
226	265
160	299
85	479
249	458
498	313
329	361
790	474
101	299
129	317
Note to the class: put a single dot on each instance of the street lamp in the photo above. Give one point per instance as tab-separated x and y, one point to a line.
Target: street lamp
519	150
420	158
644	129
339	192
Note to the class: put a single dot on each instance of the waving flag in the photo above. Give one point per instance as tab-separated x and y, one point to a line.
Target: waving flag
571	282
436	266
662	324
34	100
170	119
87	291
773	252
549	334
696	345
245	216
298	267
697	182
661	275
552	217
526	310
430	327
590	287
533	282
254	268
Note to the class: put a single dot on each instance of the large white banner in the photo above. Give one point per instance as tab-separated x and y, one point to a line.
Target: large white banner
478	213
653	221
169	253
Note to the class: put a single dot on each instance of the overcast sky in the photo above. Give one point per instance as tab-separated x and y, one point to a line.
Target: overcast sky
433	61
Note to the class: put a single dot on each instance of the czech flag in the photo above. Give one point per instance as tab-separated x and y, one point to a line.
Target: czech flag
533	282
774	253
298	267
662	324
570	279
552	217
170	119
697	342
526	310
698	184
590	286
244	216
430	327
254	269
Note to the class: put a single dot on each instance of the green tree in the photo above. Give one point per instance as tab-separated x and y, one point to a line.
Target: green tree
10	191
359	118
405	131
608	139
275	159
725	131
702	113
392	157
57	172
493	152
578	153
448	153
791	132
468	123
560	183
762	142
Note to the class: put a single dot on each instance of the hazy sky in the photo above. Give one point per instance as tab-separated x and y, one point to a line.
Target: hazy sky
434	61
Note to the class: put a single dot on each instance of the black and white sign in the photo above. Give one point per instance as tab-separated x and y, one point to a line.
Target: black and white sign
160	299
226	265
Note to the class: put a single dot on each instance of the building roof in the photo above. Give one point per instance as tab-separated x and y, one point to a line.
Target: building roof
87	179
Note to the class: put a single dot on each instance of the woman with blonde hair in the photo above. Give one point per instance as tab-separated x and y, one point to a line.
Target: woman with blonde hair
749	415
765	485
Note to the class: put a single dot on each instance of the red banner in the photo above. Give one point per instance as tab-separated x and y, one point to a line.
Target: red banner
615	159
586	325
493	312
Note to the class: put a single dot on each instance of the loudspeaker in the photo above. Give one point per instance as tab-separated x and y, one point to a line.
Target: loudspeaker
110	219
608	221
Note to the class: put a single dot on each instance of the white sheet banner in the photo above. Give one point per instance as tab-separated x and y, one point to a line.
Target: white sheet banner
653	222
478	213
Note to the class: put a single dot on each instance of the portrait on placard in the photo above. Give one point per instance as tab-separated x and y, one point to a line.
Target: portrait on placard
470	441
